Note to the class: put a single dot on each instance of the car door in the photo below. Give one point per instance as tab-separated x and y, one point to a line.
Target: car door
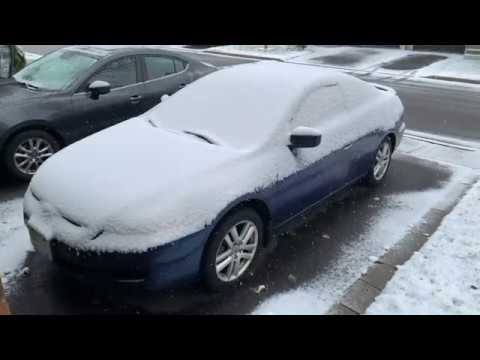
320	170
360	152
163	75
122	103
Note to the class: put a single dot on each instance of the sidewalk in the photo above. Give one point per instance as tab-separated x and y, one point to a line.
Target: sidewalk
425	273
443	277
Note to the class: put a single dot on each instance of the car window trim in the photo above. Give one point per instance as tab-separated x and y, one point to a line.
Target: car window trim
173	58
112	90
166	76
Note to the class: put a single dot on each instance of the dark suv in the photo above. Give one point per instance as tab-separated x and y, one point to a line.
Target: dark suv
79	90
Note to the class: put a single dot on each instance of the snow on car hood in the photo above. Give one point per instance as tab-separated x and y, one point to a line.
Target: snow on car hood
142	186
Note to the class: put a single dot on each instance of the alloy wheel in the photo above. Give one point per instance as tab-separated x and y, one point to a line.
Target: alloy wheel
236	251
32	153
382	161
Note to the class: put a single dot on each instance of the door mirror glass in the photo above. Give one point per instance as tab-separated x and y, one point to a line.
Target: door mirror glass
98	88
304	137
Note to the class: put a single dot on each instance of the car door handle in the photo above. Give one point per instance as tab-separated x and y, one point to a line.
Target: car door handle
181	86
348	146
135	99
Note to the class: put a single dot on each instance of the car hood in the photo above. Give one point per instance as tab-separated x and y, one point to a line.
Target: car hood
131	163
14	93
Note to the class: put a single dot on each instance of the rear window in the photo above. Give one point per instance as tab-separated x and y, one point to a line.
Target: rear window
180	65
159	66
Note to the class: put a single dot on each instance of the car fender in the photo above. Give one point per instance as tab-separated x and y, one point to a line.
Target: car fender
24	126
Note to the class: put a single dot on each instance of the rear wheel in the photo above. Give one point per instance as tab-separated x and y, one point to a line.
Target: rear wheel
233	251
27	151
381	165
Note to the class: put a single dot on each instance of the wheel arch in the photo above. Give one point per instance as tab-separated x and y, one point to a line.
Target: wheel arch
31	125
258	205
393	139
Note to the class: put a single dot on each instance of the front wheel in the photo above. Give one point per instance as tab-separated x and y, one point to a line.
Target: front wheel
381	165
233	250
27	151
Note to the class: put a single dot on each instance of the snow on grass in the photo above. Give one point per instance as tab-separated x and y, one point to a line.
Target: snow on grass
443	278
14	240
399	214
368	58
456	66
280	52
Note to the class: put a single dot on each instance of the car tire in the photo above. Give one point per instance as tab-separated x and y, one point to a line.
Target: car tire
217	280
381	164
31	139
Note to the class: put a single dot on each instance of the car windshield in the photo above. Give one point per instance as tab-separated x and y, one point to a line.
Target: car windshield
56	71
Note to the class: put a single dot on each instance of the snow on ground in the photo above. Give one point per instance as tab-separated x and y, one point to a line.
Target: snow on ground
456	66
368	58
364	59
402	212
14	240
280	52
443	278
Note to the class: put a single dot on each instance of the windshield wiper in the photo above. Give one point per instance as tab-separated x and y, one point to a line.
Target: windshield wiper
200	136
28	85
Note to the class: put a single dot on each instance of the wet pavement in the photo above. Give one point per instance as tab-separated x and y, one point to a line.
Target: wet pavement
300	256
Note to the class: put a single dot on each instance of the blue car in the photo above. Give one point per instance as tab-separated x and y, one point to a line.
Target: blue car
197	187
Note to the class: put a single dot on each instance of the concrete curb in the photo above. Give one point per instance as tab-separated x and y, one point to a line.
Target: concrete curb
362	293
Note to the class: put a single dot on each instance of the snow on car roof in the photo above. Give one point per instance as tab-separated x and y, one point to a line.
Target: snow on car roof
106	50
244	106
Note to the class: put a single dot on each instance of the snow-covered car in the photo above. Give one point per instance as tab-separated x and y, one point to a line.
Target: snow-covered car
197	187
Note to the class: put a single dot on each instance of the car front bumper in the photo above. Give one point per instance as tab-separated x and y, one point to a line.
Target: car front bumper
172	264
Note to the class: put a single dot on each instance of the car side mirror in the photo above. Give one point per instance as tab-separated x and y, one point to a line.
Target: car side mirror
304	137
98	88
164	97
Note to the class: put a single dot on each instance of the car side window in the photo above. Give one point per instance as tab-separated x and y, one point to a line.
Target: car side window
159	66
180	65
320	107
118	73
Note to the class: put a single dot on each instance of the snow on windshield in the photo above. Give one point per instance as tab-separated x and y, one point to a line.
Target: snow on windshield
243	106
56	71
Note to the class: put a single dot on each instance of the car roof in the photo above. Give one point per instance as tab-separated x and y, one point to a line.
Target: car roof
231	102
102	51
